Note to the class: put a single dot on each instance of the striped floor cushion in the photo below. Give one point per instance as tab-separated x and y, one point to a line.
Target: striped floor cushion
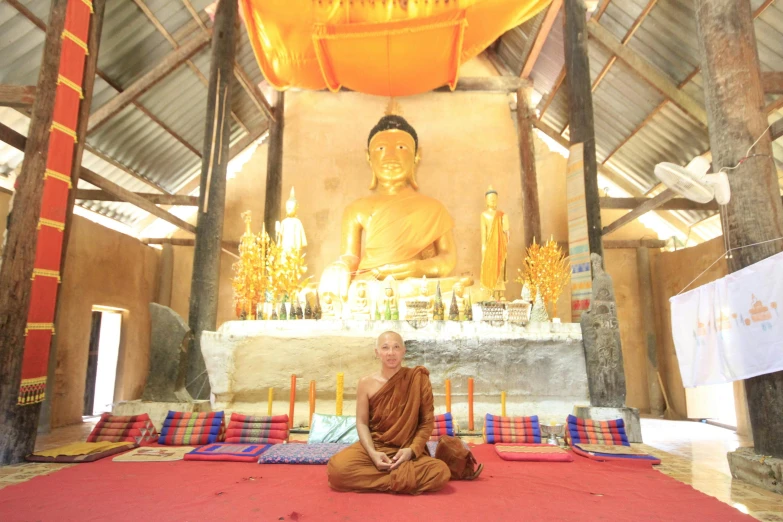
444	425
254	429
532	453
587	431
613	452
318	453
81	452
228	452
192	428
511	429
115	428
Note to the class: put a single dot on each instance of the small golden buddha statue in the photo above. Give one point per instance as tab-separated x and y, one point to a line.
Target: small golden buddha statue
458	291
494	245
290	232
327	307
406	234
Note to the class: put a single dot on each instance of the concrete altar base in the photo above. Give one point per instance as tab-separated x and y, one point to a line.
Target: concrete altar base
633	426
541	366
761	471
158	410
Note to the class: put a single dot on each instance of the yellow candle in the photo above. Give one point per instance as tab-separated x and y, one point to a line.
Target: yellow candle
502	404
269	405
291	402
470	404
339	403
448	395
312	401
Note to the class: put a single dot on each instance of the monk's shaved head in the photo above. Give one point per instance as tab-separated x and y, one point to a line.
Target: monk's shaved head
386	334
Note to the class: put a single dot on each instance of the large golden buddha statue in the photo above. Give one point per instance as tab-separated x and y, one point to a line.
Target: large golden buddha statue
406	234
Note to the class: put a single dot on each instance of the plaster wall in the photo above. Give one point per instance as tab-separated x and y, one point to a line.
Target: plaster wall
673	271
102	268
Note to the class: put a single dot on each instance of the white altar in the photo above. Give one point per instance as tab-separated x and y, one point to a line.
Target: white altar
540	366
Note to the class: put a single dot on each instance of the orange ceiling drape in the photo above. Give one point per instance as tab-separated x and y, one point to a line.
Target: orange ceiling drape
382	47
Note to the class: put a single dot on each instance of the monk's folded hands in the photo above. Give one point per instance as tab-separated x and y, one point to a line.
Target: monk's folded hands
403	455
381	461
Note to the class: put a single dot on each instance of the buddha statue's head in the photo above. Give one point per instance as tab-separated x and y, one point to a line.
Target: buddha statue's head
291	206
491	198
393	152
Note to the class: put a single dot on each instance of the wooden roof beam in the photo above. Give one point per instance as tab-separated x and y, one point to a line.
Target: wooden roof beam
162	30
647	72
772	82
19	142
647	206
531	56
155	199
672	204
166	66
634	243
17	95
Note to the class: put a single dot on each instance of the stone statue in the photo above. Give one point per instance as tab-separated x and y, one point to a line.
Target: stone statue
328	307
361	305
458	295
494	245
603	349
290	232
426	248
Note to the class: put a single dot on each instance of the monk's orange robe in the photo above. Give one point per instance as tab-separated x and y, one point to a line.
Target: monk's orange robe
401	416
401	229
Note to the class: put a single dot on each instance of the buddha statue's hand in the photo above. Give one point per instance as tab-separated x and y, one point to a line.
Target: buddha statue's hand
336	279
399	271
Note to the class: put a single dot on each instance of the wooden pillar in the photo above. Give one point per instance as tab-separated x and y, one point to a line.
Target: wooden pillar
212	195
648	323
735	101
273	206
580	113
18	424
531	217
90	68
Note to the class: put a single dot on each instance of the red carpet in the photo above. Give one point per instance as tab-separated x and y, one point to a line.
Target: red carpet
174	491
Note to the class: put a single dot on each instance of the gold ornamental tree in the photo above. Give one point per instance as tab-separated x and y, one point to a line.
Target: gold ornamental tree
545	270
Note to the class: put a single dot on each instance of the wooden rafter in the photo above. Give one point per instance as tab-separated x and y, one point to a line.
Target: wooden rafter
127	170
542	34
16	140
165	67
24	11
634	243
230	247
17	95
648	72
628	35
672	204
252	90
155	199
772	82
776	130
162	30
647	206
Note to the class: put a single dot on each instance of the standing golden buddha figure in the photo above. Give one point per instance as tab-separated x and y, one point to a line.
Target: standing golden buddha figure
406	234
494	246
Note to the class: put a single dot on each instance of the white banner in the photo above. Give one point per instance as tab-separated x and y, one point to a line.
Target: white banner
732	328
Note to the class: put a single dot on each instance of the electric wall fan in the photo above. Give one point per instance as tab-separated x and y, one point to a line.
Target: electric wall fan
694	182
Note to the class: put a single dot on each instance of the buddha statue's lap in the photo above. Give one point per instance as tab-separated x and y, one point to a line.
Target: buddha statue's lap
407	235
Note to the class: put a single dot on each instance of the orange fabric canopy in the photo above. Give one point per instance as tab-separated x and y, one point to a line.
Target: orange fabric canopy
381	47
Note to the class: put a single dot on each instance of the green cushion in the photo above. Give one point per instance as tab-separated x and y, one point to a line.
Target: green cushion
333	428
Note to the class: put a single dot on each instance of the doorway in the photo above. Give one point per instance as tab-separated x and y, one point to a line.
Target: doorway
102	359
713	403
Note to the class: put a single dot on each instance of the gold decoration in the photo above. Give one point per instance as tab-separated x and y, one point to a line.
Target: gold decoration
546	271
251	273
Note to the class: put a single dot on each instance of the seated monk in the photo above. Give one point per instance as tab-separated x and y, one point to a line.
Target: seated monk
394	419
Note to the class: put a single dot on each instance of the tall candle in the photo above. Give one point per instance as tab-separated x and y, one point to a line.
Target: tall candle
448	395
339	402
269	403
503	404
312	401
292	401
470	404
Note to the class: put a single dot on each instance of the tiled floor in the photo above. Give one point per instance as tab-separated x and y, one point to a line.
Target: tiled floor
690	452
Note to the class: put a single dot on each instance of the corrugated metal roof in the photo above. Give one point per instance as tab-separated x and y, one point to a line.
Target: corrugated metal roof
131	46
628	112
